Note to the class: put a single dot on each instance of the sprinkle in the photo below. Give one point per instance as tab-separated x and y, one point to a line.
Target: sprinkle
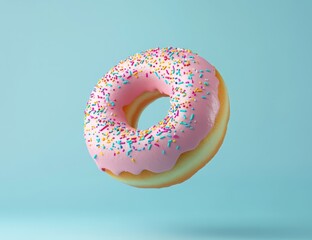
128	153
163	152
157	75
203	97
103	128
190	76
192	116
201	75
186	63
206	83
95	156
133	160
178	147
149	147
169	142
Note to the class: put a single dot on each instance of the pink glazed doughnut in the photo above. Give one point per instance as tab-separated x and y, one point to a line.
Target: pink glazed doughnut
178	146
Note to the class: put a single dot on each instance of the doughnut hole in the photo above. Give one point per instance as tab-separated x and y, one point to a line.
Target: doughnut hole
154	112
146	100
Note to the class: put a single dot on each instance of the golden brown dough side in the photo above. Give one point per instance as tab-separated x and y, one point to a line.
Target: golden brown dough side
189	162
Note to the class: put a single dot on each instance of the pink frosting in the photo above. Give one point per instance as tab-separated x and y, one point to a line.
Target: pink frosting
185	77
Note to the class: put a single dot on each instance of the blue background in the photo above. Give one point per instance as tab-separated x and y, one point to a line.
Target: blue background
258	186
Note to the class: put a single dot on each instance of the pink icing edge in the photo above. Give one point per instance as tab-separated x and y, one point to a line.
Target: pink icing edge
153	159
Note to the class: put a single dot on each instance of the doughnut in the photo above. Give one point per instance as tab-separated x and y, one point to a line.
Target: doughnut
175	148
